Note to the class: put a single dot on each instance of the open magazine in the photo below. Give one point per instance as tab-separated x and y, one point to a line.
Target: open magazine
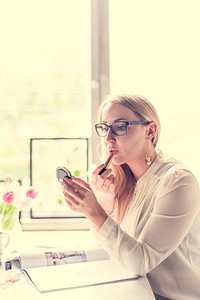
51	270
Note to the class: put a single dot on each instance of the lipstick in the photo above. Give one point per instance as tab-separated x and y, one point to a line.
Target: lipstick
108	160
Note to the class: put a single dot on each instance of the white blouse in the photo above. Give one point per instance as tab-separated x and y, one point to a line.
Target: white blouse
159	235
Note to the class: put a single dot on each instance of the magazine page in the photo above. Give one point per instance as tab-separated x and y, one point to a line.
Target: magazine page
50	258
54	257
78	275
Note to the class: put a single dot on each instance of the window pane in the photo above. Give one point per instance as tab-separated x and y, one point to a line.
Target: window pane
46	156
154	51
44	77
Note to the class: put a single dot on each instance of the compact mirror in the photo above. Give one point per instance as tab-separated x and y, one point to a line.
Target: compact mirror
62	172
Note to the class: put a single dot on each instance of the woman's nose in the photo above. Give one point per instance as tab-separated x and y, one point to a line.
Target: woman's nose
110	137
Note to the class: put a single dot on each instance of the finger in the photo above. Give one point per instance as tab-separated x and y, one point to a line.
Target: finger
110	184
105	187
81	182
99	180
95	174
99	168
71	195
71	201
70	192
109	179
71	205
73	187
106	179
112	187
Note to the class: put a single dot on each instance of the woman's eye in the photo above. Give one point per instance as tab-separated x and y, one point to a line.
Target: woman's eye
104	128
120	128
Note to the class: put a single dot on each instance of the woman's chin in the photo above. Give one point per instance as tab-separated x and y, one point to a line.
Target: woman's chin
117	161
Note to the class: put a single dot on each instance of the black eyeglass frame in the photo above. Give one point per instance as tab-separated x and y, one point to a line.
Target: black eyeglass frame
126	123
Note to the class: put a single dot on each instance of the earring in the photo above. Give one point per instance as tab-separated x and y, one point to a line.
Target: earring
148	160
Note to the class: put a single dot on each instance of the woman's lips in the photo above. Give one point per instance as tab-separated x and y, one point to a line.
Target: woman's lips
113	151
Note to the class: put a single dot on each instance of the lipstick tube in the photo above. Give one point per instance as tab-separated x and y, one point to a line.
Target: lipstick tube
108	160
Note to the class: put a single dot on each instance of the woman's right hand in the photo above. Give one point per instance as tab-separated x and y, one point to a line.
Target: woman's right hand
104	188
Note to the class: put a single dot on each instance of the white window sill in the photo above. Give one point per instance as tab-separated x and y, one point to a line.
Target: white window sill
41	224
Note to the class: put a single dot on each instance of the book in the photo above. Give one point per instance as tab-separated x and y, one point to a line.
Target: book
56	269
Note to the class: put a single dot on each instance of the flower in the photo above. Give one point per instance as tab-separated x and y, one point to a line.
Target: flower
14	199
31	193
8	197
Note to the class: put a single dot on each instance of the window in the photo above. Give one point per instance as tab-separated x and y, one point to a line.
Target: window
154	51
45	77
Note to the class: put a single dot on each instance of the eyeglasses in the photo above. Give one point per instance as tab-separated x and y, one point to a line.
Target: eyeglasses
118	127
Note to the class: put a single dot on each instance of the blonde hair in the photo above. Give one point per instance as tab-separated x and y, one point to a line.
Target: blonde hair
124	177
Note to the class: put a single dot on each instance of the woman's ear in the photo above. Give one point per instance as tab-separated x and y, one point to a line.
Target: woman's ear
151	131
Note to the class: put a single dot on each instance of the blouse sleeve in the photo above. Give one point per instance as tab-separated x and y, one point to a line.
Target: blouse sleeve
176	205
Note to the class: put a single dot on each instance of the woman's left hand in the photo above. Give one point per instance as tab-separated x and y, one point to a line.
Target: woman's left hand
80	198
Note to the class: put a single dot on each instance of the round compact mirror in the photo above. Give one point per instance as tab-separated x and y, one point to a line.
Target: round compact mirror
62	172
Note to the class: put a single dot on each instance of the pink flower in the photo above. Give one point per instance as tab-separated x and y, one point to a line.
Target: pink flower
31	193
8	197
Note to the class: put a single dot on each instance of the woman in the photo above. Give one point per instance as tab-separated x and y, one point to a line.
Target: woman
145	209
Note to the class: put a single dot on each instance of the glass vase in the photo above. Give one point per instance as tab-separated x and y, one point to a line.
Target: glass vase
10	223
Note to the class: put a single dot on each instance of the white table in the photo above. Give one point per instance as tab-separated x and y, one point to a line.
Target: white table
24	289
